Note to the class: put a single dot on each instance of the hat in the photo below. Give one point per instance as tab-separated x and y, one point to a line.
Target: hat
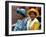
34	10
21	11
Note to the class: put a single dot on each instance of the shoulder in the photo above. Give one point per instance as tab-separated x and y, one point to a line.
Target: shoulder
37	22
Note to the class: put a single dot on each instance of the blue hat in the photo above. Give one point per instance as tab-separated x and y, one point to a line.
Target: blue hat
21	11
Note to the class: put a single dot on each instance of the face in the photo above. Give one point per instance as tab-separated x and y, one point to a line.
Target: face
20	17
32	15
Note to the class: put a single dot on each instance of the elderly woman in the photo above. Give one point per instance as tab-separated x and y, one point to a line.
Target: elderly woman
33	23
21	24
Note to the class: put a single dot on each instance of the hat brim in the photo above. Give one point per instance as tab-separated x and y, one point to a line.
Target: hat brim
34	10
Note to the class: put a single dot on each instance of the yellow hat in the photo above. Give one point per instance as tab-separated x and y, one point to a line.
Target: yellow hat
32	9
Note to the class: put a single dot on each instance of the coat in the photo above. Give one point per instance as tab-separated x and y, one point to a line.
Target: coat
33	25
26	24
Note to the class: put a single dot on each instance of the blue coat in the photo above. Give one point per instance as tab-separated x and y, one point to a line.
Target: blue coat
21	25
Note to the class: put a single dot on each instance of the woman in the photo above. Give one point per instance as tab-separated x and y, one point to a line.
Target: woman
33	23
21	23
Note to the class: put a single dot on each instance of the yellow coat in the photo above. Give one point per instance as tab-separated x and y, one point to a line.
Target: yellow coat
33	25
